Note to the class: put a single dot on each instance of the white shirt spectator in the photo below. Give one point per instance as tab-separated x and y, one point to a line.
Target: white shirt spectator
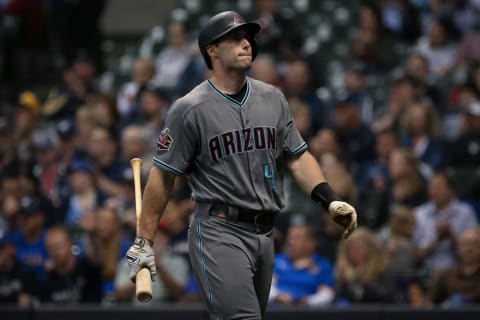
460	216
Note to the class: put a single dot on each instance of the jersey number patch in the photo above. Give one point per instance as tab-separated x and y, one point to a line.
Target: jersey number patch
269	173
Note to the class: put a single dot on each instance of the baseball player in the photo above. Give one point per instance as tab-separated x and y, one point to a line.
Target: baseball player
232	136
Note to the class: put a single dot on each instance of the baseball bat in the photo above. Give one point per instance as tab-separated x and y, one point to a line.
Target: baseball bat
143	279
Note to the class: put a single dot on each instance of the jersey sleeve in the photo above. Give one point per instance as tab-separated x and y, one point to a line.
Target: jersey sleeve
293	143
176	143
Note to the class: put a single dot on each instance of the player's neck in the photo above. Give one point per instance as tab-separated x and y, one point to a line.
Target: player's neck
230	83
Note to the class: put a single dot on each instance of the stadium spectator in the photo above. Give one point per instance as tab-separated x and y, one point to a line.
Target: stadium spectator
354	135
154	105
105	245
265	69
17	280
439	221
421	134
458	285
128	96
83	196
372	43
112	173
29	240
134	143
324	141
172	273
437	48
361	271
299	84
27	113
47	166
77	84
417	66
401	19
104	107
355	78
302	276
404	91
172	60
71	279
397	240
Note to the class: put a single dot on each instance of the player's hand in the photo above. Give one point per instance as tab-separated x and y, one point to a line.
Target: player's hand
140	255
344	215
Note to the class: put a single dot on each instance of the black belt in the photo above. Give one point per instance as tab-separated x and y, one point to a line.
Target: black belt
260	219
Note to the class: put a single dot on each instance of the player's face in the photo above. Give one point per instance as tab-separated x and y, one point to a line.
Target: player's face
234	50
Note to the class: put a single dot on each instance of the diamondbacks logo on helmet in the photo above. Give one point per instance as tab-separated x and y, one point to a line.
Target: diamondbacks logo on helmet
164	141
237	18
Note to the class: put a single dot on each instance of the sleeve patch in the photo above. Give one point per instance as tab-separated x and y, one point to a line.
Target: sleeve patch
165	140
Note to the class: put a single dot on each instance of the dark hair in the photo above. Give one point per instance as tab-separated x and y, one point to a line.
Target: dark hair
448	175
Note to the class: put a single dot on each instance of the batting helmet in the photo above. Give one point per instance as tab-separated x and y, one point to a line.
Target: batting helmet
221	24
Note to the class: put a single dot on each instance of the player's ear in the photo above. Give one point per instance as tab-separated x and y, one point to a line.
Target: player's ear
212	50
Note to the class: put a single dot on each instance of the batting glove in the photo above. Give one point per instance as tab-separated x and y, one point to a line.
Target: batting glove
141	255
344	215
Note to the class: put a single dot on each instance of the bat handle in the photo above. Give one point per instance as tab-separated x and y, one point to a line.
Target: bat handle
144	285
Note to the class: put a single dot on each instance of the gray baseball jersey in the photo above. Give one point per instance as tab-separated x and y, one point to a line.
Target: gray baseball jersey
232	152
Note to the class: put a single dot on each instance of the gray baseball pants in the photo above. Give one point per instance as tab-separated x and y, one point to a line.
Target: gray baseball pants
233	264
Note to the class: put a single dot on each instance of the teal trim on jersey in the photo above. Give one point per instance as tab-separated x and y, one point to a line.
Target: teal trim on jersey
231	100
167	167
203	265
300	148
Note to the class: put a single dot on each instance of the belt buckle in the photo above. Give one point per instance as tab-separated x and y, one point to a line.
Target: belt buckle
257	222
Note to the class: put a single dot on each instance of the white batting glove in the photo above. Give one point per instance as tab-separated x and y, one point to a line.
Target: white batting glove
344	215
141	255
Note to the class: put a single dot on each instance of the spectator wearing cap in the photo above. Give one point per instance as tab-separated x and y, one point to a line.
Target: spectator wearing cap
66	132
17	280
25	119
30	238
355	78
70	278
354	135
128	97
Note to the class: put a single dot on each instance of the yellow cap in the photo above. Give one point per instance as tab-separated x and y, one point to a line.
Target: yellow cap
29	100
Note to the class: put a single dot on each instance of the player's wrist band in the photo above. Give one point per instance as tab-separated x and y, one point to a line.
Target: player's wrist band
323	194
141	241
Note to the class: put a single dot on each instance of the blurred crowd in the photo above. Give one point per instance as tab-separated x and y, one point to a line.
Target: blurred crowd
397	135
